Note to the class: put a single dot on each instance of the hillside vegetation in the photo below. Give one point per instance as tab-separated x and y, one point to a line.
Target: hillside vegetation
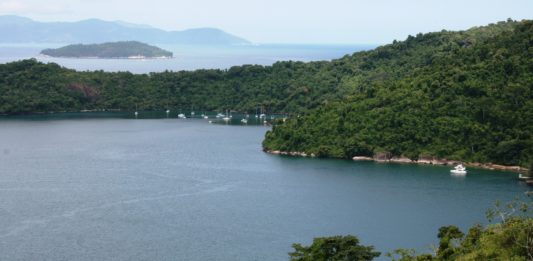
463	95
456	95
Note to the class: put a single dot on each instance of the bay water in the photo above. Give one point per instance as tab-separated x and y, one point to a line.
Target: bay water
188	57
111	187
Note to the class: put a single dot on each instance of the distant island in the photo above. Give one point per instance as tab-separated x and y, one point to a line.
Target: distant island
120	50
17	29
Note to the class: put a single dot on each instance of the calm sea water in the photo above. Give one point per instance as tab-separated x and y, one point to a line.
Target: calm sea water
189	57
115	188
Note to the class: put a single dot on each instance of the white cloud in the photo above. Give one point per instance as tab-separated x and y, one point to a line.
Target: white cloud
22	7
12	6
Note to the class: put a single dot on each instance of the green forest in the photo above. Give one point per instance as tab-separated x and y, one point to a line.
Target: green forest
464	95
108	50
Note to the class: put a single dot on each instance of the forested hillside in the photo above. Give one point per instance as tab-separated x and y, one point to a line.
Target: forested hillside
30	86
462	95
108	50
468	99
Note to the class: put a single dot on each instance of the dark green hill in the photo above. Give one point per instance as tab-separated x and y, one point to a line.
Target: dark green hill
130	49
462	95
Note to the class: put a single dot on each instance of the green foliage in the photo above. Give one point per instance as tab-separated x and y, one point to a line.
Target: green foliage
508	239
463	95
108	50
447	238
459	95
337	248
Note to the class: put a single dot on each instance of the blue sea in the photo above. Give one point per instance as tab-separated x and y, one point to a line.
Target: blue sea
187	57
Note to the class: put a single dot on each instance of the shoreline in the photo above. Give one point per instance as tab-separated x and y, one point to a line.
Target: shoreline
110	58
382	158
54	112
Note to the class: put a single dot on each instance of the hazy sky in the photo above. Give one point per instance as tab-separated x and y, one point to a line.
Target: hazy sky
286	21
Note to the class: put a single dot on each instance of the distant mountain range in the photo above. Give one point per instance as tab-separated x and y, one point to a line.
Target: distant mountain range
16	29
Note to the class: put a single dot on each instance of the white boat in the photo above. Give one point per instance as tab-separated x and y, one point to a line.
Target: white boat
136	113
245	121
168	111
228	116
262	115
524	178
181	116
206	117
220	115
459	170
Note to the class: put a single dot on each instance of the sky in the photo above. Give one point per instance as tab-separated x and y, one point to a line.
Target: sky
286	21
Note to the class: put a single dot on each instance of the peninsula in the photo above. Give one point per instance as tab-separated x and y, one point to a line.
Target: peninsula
456	95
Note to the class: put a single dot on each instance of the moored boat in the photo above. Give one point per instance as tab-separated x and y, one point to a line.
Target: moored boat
459	170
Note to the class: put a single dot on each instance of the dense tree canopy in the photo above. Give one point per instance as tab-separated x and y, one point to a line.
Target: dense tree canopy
336	248
465	96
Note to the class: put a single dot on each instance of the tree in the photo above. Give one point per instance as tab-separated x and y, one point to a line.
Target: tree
336	248
509	239
448	236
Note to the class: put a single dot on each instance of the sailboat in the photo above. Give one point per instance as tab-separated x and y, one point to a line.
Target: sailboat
181	115
168	96
262	115
227	117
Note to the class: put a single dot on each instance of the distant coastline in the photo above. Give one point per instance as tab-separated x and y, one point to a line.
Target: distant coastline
111	58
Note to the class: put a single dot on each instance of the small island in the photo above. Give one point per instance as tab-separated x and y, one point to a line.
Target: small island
114	50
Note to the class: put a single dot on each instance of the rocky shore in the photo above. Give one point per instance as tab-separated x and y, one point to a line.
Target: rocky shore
290	153
444	162
385	158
